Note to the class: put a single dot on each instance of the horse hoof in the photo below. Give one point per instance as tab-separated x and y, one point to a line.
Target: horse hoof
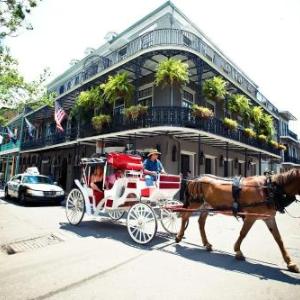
177	239
208	247
239	256
293	268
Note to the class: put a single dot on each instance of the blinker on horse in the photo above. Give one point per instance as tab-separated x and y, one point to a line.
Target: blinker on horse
256	197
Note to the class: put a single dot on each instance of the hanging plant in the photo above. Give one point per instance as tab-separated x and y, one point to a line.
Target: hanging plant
256	116
87	101
274	144
215	88
171	72
267	125
202	112
249	132
118	86
281	147
262	138
135	111
100	121
230	124
240	104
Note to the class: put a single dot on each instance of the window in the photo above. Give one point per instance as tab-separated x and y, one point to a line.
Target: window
119	106
61	89
186	41
123	52
187	98
77	80
145	96
69	85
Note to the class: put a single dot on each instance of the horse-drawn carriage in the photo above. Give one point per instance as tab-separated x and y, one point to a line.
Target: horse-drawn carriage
127	192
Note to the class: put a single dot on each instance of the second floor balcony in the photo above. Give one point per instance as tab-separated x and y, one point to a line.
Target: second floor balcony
10	147
156	116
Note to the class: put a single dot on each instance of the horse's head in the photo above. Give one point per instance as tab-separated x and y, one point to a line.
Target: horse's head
289	181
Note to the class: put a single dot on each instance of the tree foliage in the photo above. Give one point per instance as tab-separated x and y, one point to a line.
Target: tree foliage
14	15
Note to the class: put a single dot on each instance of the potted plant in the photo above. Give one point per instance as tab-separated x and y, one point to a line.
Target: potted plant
118	86
274	144
240	104
262	138
100	121
249	132
171	72
267	125
281	147
135	111
215	88
230	124
256	115
202	112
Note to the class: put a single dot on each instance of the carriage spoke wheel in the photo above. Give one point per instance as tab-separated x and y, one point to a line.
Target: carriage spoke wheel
75	207
116	214
171	221
141	223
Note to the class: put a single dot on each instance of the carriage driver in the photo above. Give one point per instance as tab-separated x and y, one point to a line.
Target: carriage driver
152	166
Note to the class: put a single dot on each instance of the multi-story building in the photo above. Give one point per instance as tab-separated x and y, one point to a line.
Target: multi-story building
291	157
186	143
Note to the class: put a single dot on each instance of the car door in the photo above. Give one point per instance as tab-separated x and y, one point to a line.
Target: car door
15	182
10	184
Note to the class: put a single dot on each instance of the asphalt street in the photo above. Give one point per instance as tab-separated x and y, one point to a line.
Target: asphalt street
98	260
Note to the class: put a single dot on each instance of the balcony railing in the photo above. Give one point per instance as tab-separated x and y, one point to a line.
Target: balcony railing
293	135
290	159
171	37
10	146
156	116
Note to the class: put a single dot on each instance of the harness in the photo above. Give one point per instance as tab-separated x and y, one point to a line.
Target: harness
236	189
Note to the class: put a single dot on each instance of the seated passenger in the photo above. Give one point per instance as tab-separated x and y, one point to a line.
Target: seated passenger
152	167
96	183
110	180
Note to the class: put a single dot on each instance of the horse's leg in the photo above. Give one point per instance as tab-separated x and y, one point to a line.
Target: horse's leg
184	218
201	221
271	223
248	222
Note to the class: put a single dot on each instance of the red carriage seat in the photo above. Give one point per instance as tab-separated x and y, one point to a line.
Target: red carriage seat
169	181
97	194
125	161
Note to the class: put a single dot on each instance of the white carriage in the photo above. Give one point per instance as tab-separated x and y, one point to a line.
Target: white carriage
127	193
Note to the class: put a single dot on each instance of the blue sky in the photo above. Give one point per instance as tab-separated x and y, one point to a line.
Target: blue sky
261	36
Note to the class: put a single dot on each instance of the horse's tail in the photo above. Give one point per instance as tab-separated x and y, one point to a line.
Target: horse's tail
193	192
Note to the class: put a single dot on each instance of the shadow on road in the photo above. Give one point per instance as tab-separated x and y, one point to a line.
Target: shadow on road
227	261
105	228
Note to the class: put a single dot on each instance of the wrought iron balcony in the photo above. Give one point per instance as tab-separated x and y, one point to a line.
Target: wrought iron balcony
293	135
290	159
156	116
10	146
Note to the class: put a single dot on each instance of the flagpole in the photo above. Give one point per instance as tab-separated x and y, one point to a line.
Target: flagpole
20	141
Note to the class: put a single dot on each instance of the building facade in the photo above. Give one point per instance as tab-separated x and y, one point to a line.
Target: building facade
186	143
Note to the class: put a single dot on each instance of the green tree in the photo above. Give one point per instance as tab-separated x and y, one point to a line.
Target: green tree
14	15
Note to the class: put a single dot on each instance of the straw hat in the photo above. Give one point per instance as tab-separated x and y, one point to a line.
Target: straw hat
153	151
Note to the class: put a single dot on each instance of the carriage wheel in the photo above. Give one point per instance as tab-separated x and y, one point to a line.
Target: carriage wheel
141	223
171	221
75	207
116	214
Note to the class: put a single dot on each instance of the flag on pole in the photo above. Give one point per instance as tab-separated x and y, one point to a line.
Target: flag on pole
11	135
59	115
30	127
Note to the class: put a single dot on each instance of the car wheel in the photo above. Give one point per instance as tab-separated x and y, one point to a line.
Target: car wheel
21	198
6	195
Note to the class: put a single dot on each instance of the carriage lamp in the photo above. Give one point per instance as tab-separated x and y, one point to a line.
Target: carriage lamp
201	158
221	160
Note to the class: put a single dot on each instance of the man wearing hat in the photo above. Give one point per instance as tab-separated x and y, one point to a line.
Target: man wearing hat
152	166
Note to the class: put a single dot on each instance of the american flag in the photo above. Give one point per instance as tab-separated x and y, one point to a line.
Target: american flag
59	115
30	127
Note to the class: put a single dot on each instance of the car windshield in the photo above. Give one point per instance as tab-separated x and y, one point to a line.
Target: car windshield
36	179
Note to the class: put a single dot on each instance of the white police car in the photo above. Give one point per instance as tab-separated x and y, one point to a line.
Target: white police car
33	187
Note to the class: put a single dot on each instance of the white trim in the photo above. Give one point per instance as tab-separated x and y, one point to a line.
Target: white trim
49	147
210	156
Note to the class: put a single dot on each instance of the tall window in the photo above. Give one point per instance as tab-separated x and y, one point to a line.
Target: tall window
187	98
119	106
145	96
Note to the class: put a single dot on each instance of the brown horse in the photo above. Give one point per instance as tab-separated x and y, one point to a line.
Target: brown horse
209	191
